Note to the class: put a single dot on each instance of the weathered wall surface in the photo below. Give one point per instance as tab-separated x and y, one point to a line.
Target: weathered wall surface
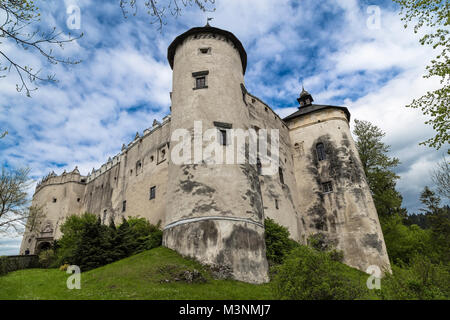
127	177
227	196
280	200
346	217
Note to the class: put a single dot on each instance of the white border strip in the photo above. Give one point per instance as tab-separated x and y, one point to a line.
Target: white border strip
184	221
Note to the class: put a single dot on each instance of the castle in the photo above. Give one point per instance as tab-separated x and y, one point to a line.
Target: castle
215	212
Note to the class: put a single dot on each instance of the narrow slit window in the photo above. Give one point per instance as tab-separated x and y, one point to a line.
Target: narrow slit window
223	137
152	193
276	204
280	173
124	206
258	166
320	148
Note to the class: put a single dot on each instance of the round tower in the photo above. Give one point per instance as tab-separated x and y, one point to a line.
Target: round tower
215	213
335	199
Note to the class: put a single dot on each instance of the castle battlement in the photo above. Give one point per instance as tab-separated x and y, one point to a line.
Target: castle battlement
53	179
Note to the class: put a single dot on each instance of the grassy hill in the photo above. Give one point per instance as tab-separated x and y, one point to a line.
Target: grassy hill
149	275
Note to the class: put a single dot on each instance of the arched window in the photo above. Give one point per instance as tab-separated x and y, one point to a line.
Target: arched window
320	151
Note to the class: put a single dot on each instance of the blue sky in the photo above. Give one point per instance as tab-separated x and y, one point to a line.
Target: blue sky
124	80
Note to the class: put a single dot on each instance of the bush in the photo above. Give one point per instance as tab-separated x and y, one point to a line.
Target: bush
13	263
403	243
47	258
313	275
89	244
278	243
422	280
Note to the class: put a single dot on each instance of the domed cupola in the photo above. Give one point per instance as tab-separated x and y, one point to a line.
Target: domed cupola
305	98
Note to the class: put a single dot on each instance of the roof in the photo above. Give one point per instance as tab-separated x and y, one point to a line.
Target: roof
207	29
313	108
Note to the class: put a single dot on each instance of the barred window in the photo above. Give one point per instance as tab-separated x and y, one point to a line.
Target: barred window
327	187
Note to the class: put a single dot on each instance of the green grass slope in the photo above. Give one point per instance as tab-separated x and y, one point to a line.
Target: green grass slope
142	276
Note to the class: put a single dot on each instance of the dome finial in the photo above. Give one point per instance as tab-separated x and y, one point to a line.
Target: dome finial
207	21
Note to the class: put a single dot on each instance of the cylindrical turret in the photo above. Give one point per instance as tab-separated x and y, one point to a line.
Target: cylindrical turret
335	199
215	213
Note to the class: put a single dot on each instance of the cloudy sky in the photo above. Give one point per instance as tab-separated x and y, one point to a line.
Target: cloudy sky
346	52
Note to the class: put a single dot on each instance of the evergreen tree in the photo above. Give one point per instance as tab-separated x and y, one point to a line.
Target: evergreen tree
378	167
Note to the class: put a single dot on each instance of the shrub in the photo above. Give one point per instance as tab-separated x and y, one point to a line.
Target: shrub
89	244
278	243
421	280
313	275
47	258
64	267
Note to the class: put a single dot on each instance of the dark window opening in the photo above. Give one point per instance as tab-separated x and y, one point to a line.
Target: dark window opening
280	173
258	165
152	158
200	82
138	165
131	171
152	193
54	199
205	50
327	187
223	137
124	206
276	204
78	199
320	148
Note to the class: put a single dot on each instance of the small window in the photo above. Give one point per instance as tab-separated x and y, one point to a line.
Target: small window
54	200
320	151
327	187
78	199
223	137
258	165
124	206
138	165
276	204
280	173
152	158
131	171
152	193
200	82
205	50
163	153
